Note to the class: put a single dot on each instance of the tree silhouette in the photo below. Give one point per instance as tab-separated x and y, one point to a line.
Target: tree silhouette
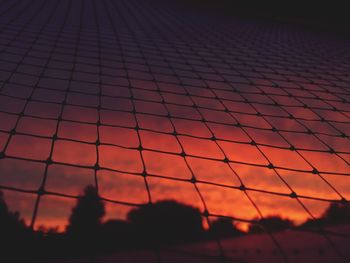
224	227
337	213
166	222
86	216
15	238
271	224
117	235
11	224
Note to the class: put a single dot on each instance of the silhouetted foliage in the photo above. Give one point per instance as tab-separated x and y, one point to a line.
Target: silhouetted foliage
83	233
115	228
271	224
85	219
224	227
117	235
336	214
15	238
167	221
158	224
11	224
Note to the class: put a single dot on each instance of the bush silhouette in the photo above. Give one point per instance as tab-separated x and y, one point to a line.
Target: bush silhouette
166	222
11	224
15	238
271	224
86	216
337	213
224	227
117	235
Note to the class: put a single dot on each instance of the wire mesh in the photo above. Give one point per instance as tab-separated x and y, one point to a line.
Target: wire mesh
149	101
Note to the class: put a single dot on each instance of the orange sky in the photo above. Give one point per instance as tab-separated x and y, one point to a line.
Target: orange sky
121	165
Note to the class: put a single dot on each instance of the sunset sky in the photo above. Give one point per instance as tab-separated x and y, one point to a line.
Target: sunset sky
146	109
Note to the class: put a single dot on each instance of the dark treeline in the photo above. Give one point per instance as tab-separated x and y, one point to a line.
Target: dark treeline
153	225
336	214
